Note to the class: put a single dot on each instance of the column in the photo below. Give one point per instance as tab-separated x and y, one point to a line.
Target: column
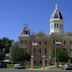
43	61
32	62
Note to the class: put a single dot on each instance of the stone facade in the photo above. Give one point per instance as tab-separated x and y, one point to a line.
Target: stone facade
39	45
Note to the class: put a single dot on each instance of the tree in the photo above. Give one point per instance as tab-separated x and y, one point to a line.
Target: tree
13	46
61	54
20	55
1	45
6	44
2	56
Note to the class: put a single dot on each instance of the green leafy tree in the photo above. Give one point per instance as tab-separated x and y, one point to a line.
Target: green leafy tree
1	45
6	44
20	55
2	56
61	54
14	45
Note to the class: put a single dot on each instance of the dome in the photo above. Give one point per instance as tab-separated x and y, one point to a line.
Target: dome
56	14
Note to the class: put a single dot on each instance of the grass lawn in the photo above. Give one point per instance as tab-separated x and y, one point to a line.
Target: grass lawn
35	66
10	65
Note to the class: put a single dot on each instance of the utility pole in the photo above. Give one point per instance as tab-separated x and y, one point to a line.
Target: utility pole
55	54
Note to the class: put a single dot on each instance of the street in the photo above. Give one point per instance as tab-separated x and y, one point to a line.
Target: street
29	70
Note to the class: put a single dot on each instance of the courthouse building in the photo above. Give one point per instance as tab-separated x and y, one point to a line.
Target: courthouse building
40	44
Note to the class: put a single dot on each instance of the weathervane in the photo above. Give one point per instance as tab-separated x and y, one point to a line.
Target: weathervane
56	6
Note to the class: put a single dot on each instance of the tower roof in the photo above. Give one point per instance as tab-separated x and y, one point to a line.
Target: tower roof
56	14
25	31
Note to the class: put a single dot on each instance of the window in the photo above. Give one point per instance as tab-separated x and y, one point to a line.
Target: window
70	42
45	42
45	50
25	42
34	62
57	26
70	50
21	42
54	25
64	42
34	49
26	32
40	50
40	61
39	42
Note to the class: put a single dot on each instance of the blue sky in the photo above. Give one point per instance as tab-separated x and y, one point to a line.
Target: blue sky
35	13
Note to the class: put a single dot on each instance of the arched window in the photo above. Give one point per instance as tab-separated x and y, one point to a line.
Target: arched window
57	25
54	25
40	50
70	42
26	32
45	42
64	42
45	50
40	61
39	42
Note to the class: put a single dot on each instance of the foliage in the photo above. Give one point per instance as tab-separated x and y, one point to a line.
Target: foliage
20	55
5	43
61	54
2	56
14	45
9	65
1	45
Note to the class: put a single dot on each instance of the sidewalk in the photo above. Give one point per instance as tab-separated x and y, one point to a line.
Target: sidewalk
46	68
55	68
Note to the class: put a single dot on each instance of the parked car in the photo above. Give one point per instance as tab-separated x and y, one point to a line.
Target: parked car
19	66
68	67
3	64
7	61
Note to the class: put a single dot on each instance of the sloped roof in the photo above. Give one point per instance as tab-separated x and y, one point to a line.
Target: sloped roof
56	14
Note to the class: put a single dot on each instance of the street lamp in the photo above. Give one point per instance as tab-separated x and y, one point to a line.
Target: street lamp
32	61
43	61
55	57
